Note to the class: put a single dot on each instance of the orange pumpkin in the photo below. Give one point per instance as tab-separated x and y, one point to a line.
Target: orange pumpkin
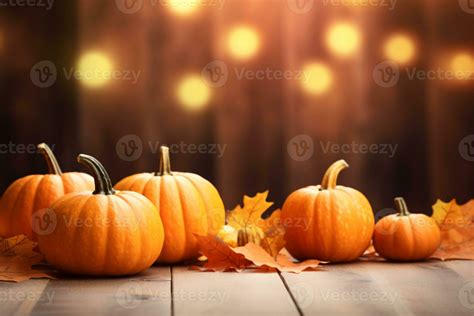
104	233
405	236
328	222
27	195
188	205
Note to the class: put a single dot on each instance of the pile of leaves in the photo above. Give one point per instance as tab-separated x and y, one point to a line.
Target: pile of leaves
269	256
17	257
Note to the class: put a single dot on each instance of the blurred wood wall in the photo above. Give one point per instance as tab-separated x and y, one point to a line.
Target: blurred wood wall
255	120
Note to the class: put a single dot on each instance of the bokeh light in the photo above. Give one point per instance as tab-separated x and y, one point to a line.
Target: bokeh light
462	64
399	48
243	42
343	39
94	69
317	78
192	92
183	7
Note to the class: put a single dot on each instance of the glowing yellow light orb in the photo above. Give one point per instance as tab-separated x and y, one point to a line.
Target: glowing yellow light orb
399	48
94	69
462	64
343	39
193	93
243	42
183	7
316	79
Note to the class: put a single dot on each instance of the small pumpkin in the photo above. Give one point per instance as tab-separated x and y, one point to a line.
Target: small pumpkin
251	234
405	236
241	237
188	205
328	222
228	234
29	194
104	233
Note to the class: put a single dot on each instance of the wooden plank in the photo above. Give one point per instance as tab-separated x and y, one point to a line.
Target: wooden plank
424	288
245	293
145	294
20	298
338	289
461	267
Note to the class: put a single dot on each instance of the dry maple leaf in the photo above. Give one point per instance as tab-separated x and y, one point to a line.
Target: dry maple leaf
456	223
16	259
220	256
283	263
251	212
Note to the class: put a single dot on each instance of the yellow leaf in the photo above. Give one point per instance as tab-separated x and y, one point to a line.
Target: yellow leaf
457	230
250	213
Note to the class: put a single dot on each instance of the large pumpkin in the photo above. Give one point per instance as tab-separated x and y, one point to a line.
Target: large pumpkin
104	233
188	205
328	222
27	195
405	236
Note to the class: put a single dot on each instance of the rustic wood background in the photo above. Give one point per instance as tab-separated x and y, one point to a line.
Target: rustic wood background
254	119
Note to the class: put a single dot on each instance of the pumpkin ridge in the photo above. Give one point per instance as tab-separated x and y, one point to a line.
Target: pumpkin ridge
201	197
82	207
185	241
187	249
140	251
35	203
15	199
16	225
313	218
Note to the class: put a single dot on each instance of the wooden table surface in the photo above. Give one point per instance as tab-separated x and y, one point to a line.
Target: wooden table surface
361	288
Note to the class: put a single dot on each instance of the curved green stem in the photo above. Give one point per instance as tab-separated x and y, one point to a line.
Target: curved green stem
330	177
53	164
103	184
401	206
165	162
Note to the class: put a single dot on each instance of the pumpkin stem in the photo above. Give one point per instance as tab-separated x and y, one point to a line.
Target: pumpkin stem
401	206
53	164
103	184
165	163
330	177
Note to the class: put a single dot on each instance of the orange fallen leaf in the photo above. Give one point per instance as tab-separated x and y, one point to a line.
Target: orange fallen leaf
17	258
251	213
220	256
456	223
283	263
